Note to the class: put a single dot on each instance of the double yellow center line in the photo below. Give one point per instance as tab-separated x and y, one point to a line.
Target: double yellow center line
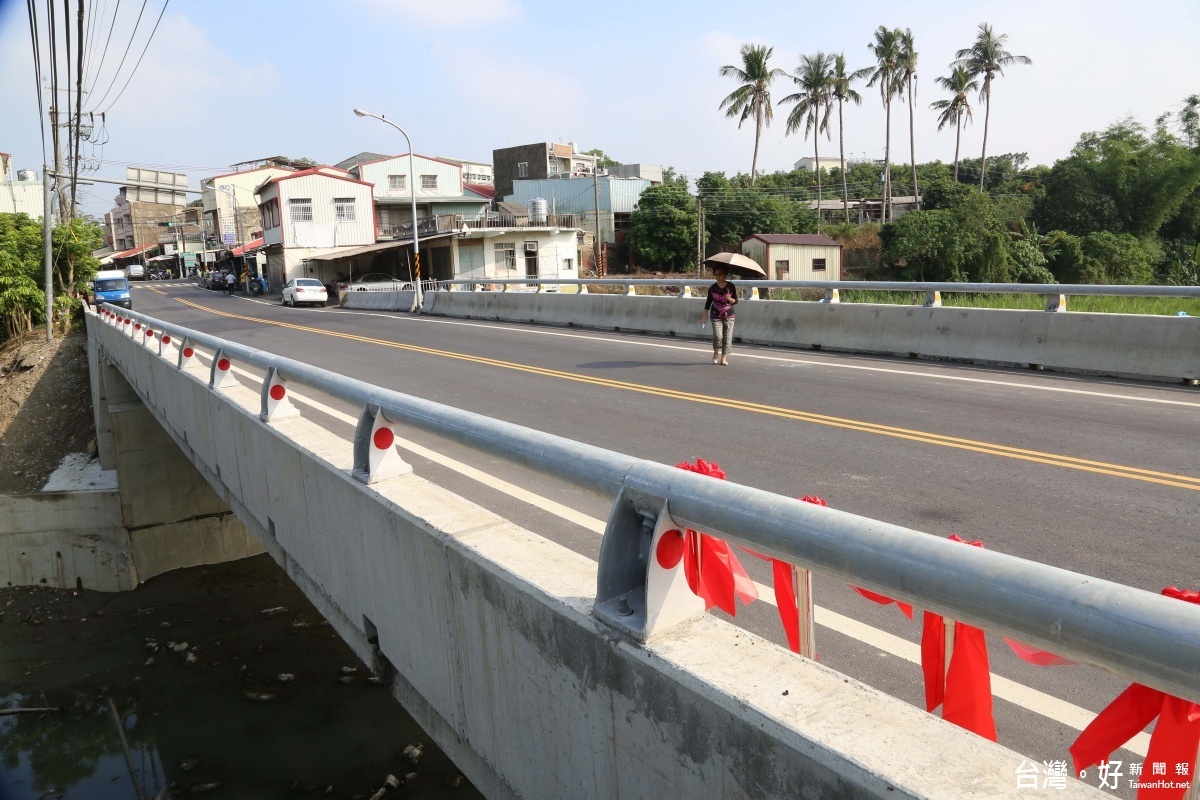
988	448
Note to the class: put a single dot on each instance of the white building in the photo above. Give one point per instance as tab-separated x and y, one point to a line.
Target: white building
230	207
439	185
474	173
808	163
795	256
311	213
20	193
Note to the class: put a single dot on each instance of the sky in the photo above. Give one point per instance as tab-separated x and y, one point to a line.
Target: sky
225	81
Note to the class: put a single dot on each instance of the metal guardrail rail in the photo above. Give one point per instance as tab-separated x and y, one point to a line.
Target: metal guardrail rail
1068	289
1145	637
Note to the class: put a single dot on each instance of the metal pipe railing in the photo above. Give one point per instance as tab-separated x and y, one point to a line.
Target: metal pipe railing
1139	635
1069	289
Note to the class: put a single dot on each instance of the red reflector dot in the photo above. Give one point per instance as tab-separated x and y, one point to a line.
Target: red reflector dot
127	321
166	340
149	333
188	352
670	549
277	391
223	365
137	326
384	438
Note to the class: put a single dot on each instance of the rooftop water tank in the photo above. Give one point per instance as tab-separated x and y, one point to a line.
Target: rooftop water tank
537	211
26	175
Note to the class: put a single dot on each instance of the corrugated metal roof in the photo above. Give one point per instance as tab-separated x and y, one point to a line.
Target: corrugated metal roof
794	238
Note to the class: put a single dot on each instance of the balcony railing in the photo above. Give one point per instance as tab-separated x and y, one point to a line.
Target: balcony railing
446	223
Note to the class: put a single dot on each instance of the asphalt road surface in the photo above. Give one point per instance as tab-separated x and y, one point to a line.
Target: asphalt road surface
1094	475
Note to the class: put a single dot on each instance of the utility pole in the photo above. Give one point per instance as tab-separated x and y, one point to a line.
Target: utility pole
47	222
699	231
599	247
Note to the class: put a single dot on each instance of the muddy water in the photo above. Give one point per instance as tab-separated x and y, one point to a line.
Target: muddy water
182	688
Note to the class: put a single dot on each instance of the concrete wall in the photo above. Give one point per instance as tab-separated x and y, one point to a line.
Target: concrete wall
1124	345
65	540
484	631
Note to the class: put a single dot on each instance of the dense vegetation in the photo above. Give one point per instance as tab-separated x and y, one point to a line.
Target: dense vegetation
22	271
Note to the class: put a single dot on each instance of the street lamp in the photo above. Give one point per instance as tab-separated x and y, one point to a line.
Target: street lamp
412	185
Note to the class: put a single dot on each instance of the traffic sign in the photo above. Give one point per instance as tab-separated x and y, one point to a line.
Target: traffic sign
228	238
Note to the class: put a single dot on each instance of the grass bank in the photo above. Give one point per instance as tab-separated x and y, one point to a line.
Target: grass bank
1167	306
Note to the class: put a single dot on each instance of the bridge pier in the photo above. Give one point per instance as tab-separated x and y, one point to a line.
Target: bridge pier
172	516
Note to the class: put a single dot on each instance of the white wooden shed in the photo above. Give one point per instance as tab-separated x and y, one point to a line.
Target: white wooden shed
795	256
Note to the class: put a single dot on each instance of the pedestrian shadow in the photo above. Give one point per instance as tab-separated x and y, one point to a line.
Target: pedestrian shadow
635	364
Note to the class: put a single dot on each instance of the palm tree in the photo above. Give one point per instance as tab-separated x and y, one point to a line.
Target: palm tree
813	102
987	57
960	84
907	74
886	49
753	97
841	88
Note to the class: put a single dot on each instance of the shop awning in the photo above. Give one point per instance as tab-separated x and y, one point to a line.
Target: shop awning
137	251
248	247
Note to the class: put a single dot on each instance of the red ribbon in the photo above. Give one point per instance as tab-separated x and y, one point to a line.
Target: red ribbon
785	588
713	572
1176	737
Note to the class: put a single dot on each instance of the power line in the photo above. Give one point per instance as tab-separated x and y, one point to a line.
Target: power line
31	5
103	55
125	55
139	61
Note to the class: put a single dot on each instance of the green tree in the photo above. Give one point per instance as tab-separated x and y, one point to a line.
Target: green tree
814	78
907	74
662	229
959	84
1110	258
1189	120
842	90
987	58
887	50
603	160
22	301
753	97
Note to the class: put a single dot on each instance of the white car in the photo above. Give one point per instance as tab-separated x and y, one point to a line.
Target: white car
304	290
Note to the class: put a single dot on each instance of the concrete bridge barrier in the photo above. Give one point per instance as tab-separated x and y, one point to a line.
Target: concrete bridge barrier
1146	347
486	631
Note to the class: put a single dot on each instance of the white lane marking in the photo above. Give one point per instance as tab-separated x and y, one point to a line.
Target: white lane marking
1018	694
743	354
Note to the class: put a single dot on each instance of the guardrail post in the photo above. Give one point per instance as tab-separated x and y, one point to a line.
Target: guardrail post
275	401
832	296
630	289
538	287
753	293
148	337
164	345
221	372
1056	302
127	324
686	291
187	354
375	455
583	288
933	299
635	593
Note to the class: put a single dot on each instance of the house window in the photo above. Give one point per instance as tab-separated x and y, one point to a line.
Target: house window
429	181
301	209
568	264
781	270
523	169
397	183
506	255
553	166
818	265
343	209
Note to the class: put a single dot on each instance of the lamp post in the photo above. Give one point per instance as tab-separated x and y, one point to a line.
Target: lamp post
412	185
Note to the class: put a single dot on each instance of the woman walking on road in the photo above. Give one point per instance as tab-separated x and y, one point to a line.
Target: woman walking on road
722	297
